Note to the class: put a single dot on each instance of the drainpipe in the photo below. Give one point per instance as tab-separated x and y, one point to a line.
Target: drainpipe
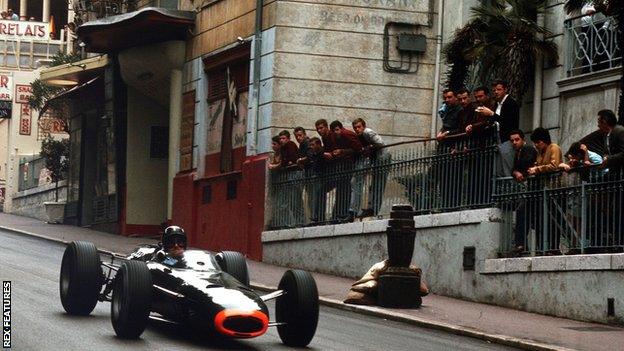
45	15
23	12
252	145
436	79
537	77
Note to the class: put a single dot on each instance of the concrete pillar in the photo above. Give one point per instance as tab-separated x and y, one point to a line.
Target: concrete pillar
175	118
23	10
45	16
4	5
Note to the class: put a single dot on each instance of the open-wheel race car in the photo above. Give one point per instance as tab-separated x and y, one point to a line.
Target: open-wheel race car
203	290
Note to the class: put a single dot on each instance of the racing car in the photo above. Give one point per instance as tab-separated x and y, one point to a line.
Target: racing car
206	291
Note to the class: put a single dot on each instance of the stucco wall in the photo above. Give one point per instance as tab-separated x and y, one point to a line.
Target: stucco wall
325	60
567	286
29	203
146	185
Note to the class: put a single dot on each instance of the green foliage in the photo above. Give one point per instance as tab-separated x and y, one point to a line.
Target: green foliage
56	154
500	41
41	92
62	58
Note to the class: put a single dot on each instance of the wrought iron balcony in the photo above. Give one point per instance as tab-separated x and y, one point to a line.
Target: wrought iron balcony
592	44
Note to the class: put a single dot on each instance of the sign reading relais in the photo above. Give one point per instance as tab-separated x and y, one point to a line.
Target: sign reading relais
24	30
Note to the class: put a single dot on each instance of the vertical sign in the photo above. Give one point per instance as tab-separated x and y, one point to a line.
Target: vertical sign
25	120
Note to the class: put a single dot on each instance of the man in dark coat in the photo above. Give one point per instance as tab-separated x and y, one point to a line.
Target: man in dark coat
290	154
614	140
507	114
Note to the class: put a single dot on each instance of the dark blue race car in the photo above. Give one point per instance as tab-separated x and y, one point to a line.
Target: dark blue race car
203	290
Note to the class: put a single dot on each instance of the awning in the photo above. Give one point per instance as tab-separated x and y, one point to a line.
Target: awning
145	26
67	94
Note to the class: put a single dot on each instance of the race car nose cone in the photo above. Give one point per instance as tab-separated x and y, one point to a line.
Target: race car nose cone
241	324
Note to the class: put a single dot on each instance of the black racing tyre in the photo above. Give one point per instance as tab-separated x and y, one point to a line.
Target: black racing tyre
235	264
298	308
132	299
81	278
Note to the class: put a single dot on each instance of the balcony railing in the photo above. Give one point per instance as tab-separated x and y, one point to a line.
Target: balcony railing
431	176
562	213
592	43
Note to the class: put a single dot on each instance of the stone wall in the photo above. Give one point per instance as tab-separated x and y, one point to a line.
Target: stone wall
29	203
575	287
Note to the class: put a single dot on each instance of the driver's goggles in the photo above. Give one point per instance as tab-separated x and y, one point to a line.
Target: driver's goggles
175	241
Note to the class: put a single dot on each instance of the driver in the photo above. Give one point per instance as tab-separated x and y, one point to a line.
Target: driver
174	241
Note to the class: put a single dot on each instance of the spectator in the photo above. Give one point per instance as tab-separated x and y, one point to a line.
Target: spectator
5	15
374	156
579	155
12	16
614	140
524	158
32	19
467	112
276	160
449	113
524	155
293	191
549	153
347	147
316	162
289	150
303	140
326	136
507	114
483	99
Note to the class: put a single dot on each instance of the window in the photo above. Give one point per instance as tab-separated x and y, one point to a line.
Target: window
232	186
167	4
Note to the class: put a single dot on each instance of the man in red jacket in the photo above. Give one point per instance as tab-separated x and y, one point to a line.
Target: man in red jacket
347	148
290	153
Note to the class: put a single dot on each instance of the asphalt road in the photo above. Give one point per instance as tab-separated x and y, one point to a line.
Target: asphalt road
40	323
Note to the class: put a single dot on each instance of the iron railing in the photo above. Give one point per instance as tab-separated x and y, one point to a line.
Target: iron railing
562	213
29	172
593	44
432	176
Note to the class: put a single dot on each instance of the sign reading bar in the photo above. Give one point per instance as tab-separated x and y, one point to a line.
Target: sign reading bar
24	30
6	86
22	93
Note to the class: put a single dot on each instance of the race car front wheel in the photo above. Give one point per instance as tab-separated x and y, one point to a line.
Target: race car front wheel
235	264
132	299
81	278
298	308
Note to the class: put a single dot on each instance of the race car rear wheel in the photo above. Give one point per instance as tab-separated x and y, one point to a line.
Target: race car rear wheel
298	308
132	299
81	278
235	264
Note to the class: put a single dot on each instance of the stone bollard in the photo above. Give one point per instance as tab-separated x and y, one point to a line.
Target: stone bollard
399	286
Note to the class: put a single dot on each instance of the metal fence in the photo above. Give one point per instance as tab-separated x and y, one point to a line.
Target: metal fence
593	44
432	176
29	171
562	213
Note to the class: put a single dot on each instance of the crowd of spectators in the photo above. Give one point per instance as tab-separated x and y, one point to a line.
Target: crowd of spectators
9	15
479	115
341	152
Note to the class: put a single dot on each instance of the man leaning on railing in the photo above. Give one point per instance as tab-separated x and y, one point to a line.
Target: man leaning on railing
373	155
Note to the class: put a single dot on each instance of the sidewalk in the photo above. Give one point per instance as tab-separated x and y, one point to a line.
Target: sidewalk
496	324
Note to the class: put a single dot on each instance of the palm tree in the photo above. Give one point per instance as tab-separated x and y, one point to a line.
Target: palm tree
500	41
610	8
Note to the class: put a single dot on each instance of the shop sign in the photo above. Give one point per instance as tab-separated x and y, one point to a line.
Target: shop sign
48	124
24	30
22	93
25	125
6	87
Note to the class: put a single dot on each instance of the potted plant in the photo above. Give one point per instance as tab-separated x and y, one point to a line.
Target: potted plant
55	153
